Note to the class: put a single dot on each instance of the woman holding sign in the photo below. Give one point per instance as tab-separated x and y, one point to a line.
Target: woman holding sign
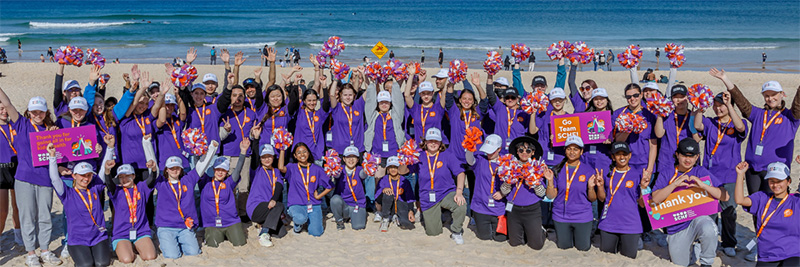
686	175
573	219
776	217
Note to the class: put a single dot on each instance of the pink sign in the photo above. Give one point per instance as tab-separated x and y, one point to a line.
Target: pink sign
72	144
684	204
592	127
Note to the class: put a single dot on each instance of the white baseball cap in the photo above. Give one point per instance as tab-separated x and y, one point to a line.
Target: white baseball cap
222	163
441	74
771	86
126	169
651	85
393	161
777	170
78	102
599	92
174	161
70	84
350	151
83	168
425	87
37	103
384	96
266	149
574	140
557	93
198	86
433	134
502	81
170	99
491	144
210	77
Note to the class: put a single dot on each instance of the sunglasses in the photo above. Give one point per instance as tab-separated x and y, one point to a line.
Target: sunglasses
632	96
587	88
526	150
510	98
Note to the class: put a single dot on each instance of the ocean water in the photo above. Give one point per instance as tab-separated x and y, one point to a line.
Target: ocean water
728	34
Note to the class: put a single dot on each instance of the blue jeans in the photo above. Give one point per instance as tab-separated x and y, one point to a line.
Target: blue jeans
176	241
369	188
300	217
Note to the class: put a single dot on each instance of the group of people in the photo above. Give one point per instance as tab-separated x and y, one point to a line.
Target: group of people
246	175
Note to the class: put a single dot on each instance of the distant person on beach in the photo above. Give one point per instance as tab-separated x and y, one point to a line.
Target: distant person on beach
286	55
763	60
41	57
50	54
596	58
601	60
422	59
19	46
610	59
500	50
531	61
441	57
658	58
213	56
297	57
265	54
506	63
391	54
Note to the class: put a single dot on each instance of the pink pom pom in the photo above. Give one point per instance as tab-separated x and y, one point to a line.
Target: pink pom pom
675	55
579	52
370	163
631	123
558	50
458	71
333	46
70	55
493	63
659	105
184	76
395	68
282	139
95	58
409	152
195	141
630	57
340	70
506	169
701	96
333	163
520	52
535	102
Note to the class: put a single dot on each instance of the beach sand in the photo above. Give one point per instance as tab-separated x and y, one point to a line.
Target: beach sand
22	81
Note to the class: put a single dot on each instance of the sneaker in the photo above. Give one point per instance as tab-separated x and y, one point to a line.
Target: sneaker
662	241
295	232
339	225
396	220
18	237
730	252
33	261
417	216
377	217
458	238
65	252
50	258
385	225
641	244
752	255
264	240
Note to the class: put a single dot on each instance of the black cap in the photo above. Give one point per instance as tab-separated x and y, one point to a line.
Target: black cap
620	146
511	91
679	89
153	85
250	82
688	147
539	79
718	98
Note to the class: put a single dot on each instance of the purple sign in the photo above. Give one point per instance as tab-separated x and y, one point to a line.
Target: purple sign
592	127
72	144
684	204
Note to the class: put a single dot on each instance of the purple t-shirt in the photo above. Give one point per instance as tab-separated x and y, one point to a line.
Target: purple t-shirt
499	113
167	212
343	134
622	216
639	143
122	213
543	122
778	240
299	192
404	190
25	170
102	129
391	139
262	188
578	103
729	151
132	130
575	207
241	123
83	231
778	139
426	118
356	185
207	119
308	130
458	128
598	156
279	119
486	184
666	175
444	177
227	202
170	141
673	133
6	153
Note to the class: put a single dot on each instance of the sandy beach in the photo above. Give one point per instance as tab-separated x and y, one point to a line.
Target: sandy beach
22	81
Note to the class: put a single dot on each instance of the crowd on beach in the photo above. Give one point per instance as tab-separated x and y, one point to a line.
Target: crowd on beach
250	172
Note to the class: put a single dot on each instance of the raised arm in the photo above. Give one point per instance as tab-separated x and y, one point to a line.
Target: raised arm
224	100
738	124
738	194
658	126
55	178
698	120
205	161
673	74
238	60
573	87
633	74
333	93
243	146
517	80
58	94
13	114
91	87
449	98
409	95
282	161
796	104
736	95
272	67
561	74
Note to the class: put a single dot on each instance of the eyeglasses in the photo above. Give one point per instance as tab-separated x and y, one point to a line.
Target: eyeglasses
526	150
632	96
587	87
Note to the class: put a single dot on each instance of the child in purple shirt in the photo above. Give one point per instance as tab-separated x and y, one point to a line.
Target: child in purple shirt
303	179
265	202
218	203
349	199
488	203
396	195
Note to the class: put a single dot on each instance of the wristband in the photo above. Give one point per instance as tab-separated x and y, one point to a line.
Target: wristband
646	191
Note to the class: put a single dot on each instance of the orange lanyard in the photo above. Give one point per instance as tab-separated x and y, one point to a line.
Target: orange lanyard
385	121
432	171
350	184
349	118
423	118
34	127
678	129
491	171
765	124
763	222
10	138
396	192
132	202
72	122
90	205
312	124
510	120
174	134
216	193
141	124
100	123
274	113
519	184
614	191
272	180
467	119
570	178
306	179
252	107
202	116
178	196
675	176
239	122
720	133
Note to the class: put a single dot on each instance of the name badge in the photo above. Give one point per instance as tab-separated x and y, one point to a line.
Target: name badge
432	197
329	137
385	146
605	212
508	143
185	154
759	149
355	210
710	162
309	208
218	221
132	235
509	206
592	149
101	229
550	155
751	244
351	142
491	202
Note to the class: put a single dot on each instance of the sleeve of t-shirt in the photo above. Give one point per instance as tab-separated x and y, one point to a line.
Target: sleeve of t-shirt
740	136
661	182
707	125
454	165
322	177
715	181
756	200
754	113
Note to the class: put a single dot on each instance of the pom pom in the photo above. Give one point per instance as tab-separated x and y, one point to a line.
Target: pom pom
374	72
104	78
579	52
416	65
370	163
70	55
659	105
333	46
282	139
95	58
333	163
701	96
321	59
675	55
532	172
558	50
493	63
506	169
184	76
631	123
409	152
340	70
195	141
520	52
472	139
535	102
458	71
396	69
630	57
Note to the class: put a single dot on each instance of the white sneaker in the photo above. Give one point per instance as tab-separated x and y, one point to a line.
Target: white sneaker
730	252
458	238
396	220
33	261
377	217
264	240
65	252
18	237
50	258
385	225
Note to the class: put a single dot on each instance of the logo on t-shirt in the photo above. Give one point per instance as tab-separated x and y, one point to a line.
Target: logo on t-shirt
356	112
778	120
582	178
316	118
399	191
439	164
313	179
281	113
208	111
729	131
222	186
433	113
184	188
354	182
788	213
629	184
246	119
147	120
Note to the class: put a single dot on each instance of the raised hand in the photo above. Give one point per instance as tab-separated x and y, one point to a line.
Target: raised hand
475	78
271	54
146	81
423	74
548	174
239	59
227	124
742	167
135	72
313	60
726	98
126	77
258	71
168	68
645	182
412	69
231	78
256	130
191	55
296	69
244	145
94	74
98	148
600	182
51	149
151	164
719	74
109	140
110	165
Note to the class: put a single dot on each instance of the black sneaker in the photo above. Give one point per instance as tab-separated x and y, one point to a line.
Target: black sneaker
340	225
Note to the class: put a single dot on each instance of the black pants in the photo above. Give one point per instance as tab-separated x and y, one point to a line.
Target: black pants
486	227
387	210
625	244
578	235
525	226
793	261
269	218
97	255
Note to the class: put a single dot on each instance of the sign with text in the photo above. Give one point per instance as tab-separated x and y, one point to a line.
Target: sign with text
72	144
684	204
592	127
